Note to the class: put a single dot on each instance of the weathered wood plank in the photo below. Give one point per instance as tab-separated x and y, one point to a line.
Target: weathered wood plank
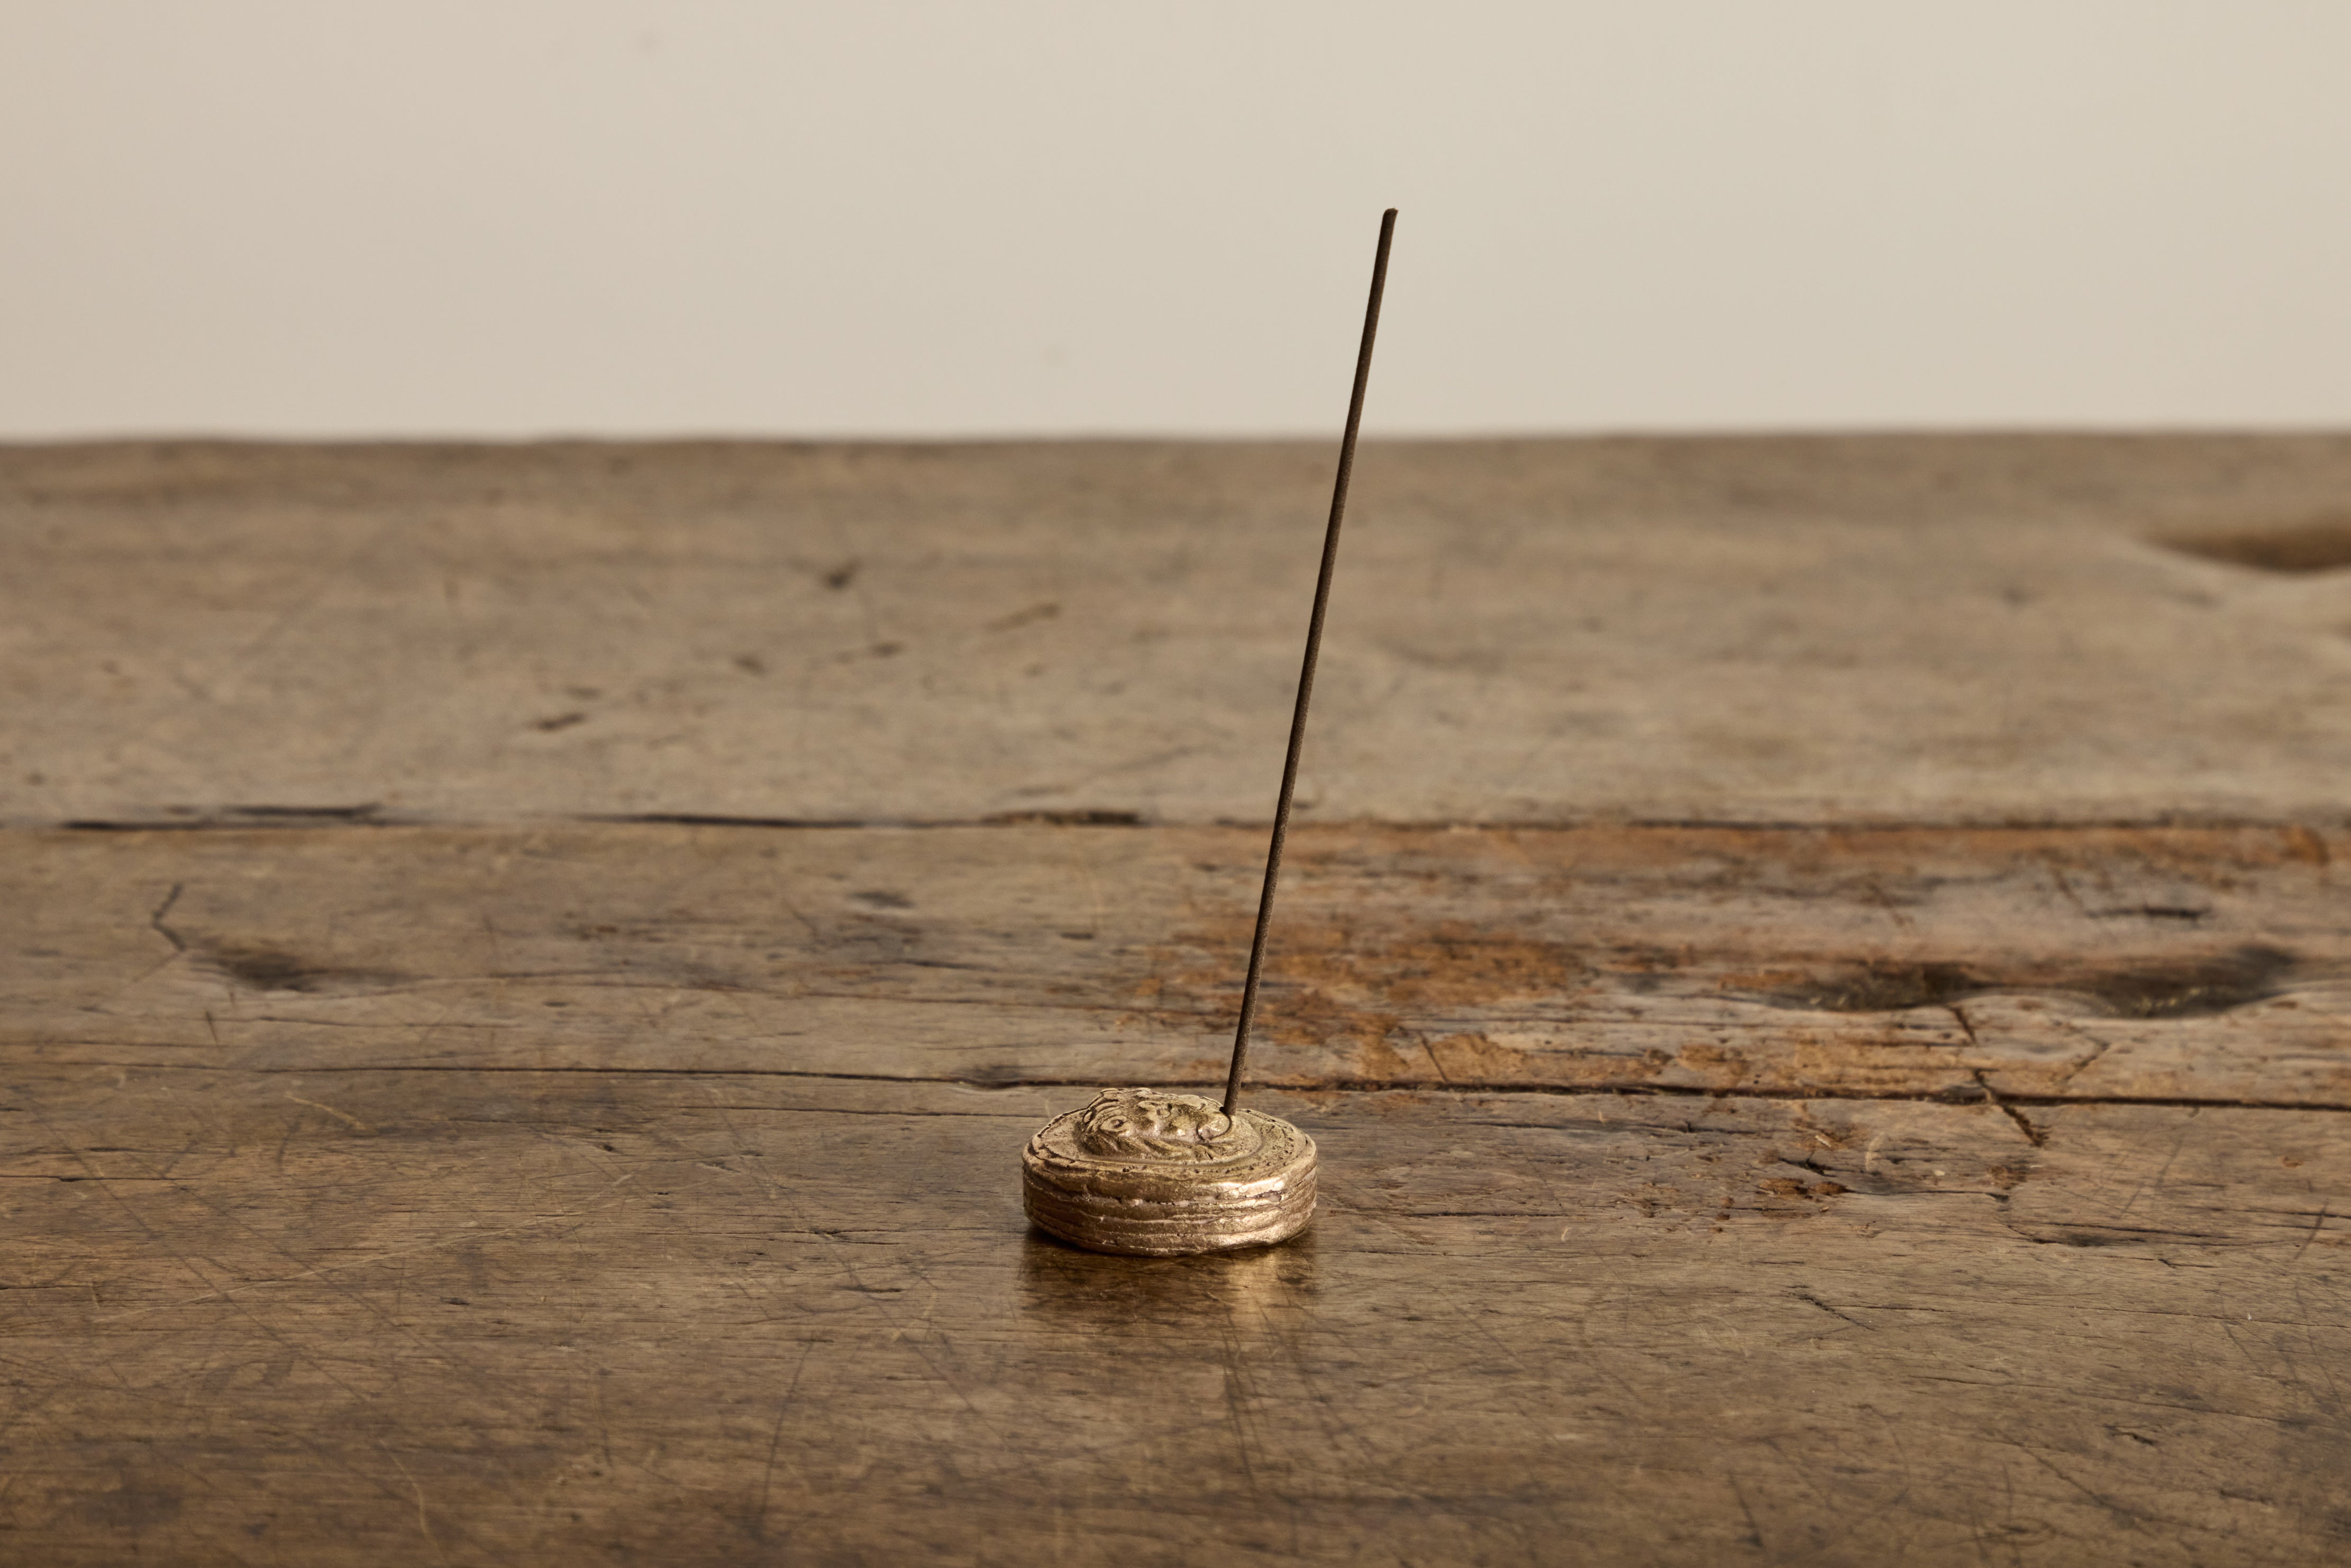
467	1317
1978	629
1917	1171
2189	963
332	1239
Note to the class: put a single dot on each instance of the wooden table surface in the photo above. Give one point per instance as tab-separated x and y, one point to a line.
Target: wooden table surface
1818	968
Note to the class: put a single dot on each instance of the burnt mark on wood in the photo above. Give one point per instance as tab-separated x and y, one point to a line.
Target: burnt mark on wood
2321	543
260	967
1881	987
2198	986
2095	1235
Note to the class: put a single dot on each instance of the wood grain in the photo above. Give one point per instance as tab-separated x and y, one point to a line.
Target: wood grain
385	1316
1818	970
1894	629
2191	963
615	1193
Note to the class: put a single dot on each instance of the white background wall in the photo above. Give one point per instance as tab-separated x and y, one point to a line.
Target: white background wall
525	216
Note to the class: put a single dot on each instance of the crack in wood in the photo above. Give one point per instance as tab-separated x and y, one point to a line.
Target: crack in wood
1499	1088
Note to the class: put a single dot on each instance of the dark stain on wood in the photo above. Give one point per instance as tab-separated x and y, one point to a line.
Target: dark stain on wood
2308	545
266	969
2183	987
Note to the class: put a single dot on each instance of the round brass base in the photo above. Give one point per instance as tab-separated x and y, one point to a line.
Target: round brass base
1155	1175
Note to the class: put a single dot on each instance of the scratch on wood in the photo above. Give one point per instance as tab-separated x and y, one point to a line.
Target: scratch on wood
330	1110
1807	1297
775	1441
424	1522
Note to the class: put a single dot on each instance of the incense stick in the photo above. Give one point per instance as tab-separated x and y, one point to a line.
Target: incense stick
1306	673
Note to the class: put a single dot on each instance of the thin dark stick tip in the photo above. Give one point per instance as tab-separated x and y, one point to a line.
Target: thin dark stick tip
1306	670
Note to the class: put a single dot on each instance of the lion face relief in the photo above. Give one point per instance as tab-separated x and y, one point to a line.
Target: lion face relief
1151	1124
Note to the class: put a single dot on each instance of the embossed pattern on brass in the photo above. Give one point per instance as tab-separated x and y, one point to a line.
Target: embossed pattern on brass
1155	1174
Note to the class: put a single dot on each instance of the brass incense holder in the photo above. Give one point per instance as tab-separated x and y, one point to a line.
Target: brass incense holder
1154	1175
